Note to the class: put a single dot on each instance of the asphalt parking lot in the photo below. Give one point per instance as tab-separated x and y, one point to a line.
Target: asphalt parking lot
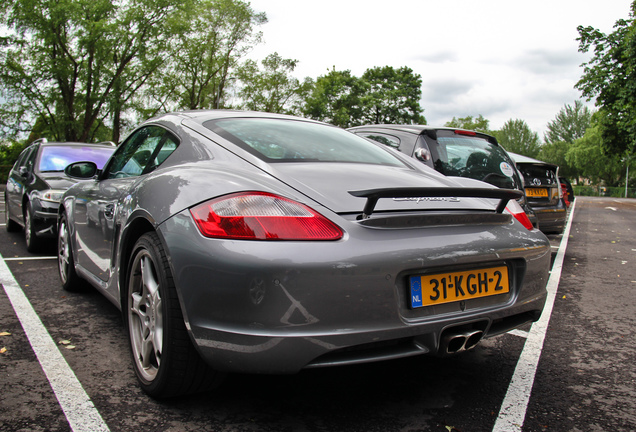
585	376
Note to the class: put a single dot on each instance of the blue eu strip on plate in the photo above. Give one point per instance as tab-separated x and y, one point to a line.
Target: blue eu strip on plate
416	292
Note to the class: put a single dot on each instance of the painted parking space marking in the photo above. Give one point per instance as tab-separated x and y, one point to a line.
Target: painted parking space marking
35	258
517	332
513	409
79	410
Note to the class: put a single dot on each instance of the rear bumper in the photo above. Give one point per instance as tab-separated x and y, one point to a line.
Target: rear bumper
280	307
551	220
285	353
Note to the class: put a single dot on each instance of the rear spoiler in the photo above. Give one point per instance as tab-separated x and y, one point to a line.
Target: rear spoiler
373	195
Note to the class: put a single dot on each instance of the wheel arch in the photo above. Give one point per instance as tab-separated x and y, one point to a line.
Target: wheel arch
25	202
139	226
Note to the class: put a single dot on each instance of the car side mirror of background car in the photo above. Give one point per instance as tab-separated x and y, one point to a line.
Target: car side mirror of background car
422	154
81	170
24	172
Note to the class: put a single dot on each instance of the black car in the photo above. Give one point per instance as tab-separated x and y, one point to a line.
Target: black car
452	152
543	192
36	184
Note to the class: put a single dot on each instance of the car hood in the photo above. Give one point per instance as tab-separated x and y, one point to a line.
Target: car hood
56	180
331	185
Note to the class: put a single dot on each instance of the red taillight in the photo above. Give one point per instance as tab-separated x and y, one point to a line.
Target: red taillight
465	132
515	210
262	216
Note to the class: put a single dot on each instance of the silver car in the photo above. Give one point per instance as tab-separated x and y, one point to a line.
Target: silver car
263	243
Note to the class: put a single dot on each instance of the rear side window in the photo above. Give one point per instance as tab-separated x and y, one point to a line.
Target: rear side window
383	139
142	152
24	157
278	140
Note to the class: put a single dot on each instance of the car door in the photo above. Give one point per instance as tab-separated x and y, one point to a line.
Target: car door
21	174
97	212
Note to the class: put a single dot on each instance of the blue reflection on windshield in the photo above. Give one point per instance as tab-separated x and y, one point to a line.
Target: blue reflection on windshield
57	158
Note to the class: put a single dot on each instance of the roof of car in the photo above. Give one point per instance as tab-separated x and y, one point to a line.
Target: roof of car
418	129
204	115
528	160
404	127
45	143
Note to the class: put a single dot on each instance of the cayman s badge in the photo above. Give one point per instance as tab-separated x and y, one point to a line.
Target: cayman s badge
428	199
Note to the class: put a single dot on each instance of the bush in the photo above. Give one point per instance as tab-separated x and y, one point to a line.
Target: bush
9	153
616	192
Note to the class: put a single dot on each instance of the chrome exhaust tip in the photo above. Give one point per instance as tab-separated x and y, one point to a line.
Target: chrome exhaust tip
453	343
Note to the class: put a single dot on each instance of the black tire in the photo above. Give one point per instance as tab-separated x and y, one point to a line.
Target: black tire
164	359
33	242
65	262
10	224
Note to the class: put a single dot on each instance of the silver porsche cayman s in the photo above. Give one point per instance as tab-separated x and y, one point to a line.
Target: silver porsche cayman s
262	243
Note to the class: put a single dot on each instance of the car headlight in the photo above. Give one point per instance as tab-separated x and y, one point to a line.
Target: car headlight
50	195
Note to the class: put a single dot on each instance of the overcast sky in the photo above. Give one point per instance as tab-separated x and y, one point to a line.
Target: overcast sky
503	59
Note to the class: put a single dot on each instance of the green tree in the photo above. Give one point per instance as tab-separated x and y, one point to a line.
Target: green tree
80	70
588	157
336	98
209	39
9	152
392	97
381	95
479	124
555	152
271	89
68	64
610	77
516	136
569	124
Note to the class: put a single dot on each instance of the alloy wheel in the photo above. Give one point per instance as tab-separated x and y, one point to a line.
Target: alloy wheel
145	316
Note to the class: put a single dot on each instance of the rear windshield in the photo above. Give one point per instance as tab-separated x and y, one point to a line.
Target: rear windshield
475	158
279	140
56	158
537	175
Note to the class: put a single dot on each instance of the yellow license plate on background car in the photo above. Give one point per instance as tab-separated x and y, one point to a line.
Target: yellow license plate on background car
535	192
450	287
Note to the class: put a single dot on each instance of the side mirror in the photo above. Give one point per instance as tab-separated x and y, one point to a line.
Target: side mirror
24	172
81	170
422	154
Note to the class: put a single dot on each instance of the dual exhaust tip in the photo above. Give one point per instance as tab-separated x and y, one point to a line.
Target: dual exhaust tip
458	341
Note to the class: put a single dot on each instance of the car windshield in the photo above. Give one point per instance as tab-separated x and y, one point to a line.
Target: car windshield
475	158
276	140
56	158
537	175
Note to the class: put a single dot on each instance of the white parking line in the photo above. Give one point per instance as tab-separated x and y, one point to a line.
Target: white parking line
80	412
520	333
35	258
514	406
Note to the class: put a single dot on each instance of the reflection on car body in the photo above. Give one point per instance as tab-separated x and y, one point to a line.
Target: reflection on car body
264	243
36	183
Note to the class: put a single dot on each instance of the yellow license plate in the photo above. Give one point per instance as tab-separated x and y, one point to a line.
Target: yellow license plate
535	192
450	287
